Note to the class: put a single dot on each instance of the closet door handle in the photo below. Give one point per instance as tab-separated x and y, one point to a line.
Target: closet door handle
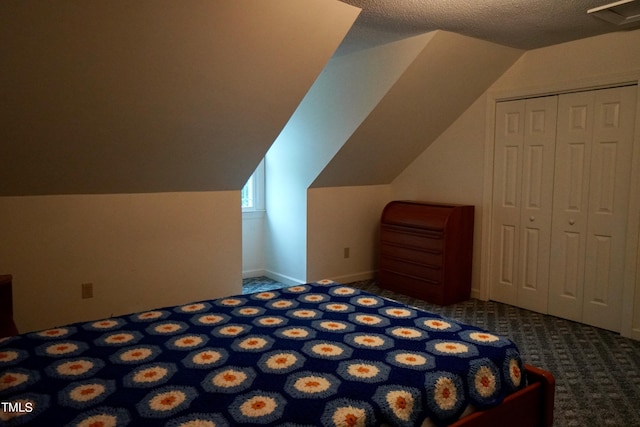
572	221
532	218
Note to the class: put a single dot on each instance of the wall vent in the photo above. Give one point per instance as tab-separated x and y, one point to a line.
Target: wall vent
619	13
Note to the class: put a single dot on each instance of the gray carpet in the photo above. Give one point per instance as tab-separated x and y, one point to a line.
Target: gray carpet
597	372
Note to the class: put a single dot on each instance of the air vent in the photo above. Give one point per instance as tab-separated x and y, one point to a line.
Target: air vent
619	13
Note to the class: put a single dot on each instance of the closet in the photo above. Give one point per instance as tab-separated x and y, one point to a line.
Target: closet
562	167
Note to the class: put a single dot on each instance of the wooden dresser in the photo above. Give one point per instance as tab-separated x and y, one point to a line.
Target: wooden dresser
426	250
7	326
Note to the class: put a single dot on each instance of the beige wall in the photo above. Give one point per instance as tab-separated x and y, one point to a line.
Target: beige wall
345	93
344	217
574	64
140	252
172	102
451	171
149	250
253	244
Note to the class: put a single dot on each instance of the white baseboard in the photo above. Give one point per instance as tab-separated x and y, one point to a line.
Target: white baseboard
290	281
475	293
253	273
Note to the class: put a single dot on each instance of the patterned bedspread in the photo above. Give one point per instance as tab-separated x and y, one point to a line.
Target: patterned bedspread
316	354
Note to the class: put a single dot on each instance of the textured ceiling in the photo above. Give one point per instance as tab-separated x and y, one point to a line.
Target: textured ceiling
522	24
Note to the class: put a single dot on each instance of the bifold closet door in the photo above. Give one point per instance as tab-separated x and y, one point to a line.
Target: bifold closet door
522	201
571	196
591	197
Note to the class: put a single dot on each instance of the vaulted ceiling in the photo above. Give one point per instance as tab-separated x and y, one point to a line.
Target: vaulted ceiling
120	96
444	79
157	95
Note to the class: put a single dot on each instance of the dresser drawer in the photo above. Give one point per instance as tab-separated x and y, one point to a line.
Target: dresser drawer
425	257
431	274
413	286
431	240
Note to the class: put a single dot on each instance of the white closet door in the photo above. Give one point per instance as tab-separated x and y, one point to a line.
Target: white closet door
611	155
537	202
522	202
571	196
593	164
505	239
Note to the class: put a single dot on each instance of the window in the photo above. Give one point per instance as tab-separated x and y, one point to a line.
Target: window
252	194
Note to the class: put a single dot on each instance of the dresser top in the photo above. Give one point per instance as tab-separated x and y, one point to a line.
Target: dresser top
418	214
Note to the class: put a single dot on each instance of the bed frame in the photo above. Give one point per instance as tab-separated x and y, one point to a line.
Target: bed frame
530	407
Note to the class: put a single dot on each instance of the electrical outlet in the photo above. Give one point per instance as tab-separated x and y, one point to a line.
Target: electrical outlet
87	290
347	252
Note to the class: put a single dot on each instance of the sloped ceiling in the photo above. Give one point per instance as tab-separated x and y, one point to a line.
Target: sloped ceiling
127	96
119	96
439	85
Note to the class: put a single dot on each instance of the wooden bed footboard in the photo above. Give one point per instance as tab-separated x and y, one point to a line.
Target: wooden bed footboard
530	407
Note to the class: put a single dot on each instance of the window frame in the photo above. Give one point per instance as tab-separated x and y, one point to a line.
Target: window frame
256	181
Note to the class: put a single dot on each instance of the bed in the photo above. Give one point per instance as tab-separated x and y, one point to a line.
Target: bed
318	354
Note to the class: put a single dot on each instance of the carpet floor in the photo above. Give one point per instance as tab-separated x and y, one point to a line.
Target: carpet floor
597	372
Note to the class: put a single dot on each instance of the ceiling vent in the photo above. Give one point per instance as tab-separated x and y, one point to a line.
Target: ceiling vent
619	13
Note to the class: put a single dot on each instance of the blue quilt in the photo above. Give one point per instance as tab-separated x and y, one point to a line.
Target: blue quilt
310	355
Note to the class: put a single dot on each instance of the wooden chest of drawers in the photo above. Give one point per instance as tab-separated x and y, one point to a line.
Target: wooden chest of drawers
426	250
